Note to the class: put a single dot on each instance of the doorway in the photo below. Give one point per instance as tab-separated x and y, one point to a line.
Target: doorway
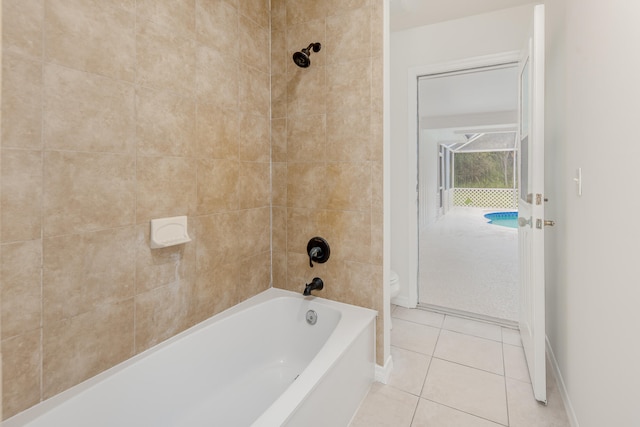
466	152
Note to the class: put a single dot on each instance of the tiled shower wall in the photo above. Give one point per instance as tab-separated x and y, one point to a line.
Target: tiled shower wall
327	148
113	113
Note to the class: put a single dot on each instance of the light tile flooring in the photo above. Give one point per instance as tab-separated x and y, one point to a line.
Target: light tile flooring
454	372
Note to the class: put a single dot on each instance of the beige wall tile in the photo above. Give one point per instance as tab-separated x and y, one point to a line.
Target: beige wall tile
306	92
164	60
253	91
278	140
307	185
21	195
349	136
128	5
278	15
257	236
349	185
377	130
254	276
256	10
279	54
87	191
335	185
306	138
279	269
337	7
85	271
349	86
166	123
279	95
377	242
21	272
349	36
21	370
279	225
217	27
377	95
21	102
166	186
94	341
215	291
221	244
254	185
217	78
217	132
162	267
350	232
254	44
22	23
161	313
377	28
254	138
91	35
279	184
87	112
177	16
377	176
303	11
218	185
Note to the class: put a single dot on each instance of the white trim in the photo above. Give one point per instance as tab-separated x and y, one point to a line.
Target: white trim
402	301
382	373
571	414
386	184
412	90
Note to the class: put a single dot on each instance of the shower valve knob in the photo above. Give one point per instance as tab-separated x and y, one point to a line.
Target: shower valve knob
318	250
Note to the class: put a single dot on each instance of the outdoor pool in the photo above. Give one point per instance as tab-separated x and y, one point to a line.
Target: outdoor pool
504	219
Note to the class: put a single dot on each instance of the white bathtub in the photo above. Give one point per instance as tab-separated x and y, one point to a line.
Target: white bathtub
257	364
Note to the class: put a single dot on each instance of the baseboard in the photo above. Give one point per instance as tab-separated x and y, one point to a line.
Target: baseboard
402	302
573	420
382	373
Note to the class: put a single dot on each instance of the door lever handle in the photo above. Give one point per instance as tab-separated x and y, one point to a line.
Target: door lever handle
523	222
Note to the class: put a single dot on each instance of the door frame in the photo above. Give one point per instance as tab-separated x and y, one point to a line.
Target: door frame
414	73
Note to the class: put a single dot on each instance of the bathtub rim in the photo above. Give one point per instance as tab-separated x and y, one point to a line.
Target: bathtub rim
354	316
356	320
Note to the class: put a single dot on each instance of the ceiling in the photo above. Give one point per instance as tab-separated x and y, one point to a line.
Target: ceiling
406	14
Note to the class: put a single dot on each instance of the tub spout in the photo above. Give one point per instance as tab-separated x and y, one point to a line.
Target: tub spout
316	284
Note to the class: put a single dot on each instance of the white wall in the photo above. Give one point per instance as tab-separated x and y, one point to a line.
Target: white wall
593	281
486	34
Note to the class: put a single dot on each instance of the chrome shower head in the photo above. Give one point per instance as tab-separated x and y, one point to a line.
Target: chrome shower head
302	59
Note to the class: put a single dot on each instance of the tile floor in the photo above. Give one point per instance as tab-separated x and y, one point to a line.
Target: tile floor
454	372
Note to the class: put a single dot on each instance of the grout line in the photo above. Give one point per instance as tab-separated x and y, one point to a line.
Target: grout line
465	412
506	394
430	362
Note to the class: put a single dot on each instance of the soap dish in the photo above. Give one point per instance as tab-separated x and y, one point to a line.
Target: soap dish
169	232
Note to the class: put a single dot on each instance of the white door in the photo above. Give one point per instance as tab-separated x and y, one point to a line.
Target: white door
531	205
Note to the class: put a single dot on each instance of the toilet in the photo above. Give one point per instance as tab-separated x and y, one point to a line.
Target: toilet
394	290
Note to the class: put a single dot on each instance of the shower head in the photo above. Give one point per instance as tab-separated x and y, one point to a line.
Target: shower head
302	58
